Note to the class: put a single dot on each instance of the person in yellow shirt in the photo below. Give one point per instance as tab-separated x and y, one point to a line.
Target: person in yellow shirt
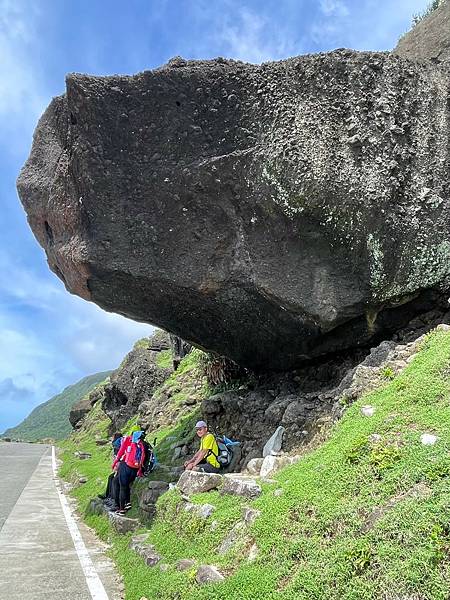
206	458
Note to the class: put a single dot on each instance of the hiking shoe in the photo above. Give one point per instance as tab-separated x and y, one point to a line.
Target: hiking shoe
111	507
120	511
127	506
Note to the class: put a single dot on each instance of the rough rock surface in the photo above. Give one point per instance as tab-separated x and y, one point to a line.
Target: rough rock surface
272	464
152	196
123	524
429	40
274	443
204	511
254	465
81	408
208	574
146	551
233	538
194	482
240	485
134	381
149	497
308	400
184	564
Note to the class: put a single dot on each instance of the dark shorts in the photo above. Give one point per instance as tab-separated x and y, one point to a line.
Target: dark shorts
205	467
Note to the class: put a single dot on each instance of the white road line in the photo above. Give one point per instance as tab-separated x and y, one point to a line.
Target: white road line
92	579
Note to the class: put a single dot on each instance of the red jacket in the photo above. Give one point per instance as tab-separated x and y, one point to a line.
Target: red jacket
129	453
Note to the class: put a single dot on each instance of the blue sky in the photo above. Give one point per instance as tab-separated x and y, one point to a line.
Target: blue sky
48	338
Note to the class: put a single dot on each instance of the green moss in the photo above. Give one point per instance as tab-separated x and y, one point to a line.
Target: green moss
164	359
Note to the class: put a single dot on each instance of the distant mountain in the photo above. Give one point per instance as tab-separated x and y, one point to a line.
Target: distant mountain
51	419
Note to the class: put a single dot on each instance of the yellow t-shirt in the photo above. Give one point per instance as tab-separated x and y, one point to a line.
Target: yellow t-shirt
208	442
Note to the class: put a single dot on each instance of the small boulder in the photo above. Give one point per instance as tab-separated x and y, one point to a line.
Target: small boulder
82	480
254	466
201	510
184	564
95	507
194	482
208	574
82	455
250	514
123	524
232	538
272	464
428	439
149	497
146	551
241	485
274	443
253	553
368	411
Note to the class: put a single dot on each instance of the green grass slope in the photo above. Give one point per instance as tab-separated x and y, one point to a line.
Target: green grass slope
364	516
51	419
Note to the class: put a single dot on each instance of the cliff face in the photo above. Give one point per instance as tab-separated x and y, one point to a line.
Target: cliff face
270	213
429	40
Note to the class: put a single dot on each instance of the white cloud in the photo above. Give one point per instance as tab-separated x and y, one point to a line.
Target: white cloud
50	339
250	37
334	8
369	25
22	98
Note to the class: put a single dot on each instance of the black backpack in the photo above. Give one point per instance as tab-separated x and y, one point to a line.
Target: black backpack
150	458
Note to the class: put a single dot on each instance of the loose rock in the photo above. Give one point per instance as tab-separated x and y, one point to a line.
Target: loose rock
241	485
184	564
274	443
201	510
250	514
428	439
254	466
208	574
368	411
123	524
194	482
145	550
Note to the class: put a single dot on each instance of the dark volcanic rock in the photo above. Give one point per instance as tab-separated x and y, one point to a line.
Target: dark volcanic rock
134	381
269	213
81	408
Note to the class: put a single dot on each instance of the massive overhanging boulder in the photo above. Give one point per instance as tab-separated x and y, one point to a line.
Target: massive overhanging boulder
270	213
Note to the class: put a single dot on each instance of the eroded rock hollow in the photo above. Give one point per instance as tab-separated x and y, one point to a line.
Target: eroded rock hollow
270	213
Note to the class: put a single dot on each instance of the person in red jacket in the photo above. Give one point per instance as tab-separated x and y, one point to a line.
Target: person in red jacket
128	463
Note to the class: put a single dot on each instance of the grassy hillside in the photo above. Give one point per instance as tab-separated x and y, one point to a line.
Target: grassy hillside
364	516
51	419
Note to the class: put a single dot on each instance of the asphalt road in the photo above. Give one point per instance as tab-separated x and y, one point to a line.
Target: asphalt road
17	464
38	558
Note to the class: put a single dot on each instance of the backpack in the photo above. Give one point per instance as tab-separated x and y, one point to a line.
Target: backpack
225	446
133	453
150	458
116	445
